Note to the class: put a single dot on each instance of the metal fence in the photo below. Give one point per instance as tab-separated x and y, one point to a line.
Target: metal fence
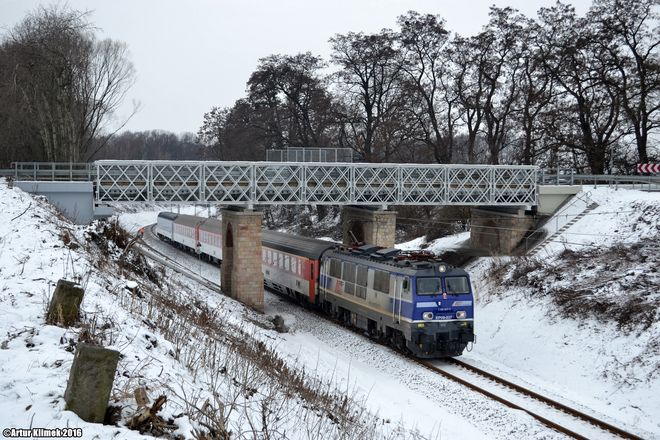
344	155
52	171
568	177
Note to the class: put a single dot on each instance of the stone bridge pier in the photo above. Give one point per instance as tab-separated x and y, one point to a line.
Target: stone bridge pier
368	226
240	272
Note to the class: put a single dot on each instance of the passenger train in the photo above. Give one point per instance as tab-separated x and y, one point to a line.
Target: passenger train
409	299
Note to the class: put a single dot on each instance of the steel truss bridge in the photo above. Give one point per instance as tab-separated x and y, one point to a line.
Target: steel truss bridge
272	183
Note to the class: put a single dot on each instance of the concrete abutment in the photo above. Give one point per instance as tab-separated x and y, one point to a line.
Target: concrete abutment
368	226
499	231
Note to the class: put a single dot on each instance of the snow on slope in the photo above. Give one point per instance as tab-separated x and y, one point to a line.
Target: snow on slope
403	399
35	358
560	356
595	365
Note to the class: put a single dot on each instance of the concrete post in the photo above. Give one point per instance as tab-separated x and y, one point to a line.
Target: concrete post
90	382
241	274
65	304
368	226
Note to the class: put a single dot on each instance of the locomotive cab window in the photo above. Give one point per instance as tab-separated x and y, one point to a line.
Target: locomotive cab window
457	285
429	286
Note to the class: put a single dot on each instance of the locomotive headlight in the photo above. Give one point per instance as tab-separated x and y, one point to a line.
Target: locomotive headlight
427	316
461	314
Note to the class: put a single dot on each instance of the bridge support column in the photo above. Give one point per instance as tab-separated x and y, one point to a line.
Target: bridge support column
500	230
368	226
241	275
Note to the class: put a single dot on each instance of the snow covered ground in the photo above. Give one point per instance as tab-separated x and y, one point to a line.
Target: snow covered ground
592	364
519	337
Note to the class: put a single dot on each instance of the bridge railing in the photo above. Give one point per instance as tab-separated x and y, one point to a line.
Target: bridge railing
568	177
52	171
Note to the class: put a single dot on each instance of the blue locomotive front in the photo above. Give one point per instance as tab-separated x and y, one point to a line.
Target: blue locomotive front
442	319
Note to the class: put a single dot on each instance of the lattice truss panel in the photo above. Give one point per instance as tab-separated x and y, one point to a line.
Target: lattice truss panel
279	184
268	183
123	181
374	184
513	186
176	183
328	184
423	185
228	183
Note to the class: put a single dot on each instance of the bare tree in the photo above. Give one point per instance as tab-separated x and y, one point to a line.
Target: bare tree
589	103
66	79
468	59
434	102
369	83
291	95
625	30
536	91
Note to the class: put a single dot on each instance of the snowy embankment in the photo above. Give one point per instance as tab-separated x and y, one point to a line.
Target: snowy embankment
179	339
581	320
204	352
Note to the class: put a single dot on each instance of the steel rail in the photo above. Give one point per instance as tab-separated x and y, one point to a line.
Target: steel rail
560	406
527	393
156	255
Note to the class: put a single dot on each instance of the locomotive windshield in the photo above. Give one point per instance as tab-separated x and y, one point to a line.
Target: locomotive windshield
457	285
428	286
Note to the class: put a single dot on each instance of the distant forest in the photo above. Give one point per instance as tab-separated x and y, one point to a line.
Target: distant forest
559	90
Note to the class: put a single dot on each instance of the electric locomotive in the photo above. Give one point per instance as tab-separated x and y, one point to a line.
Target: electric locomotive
410	299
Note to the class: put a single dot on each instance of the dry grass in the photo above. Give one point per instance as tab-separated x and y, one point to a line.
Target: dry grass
242	387
112	240
618	285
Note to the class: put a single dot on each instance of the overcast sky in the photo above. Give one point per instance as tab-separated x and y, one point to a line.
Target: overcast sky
193	55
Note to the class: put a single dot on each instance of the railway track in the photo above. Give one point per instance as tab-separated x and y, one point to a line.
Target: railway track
556	415
149	251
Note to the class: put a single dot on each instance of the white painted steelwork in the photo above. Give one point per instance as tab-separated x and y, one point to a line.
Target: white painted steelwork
282	183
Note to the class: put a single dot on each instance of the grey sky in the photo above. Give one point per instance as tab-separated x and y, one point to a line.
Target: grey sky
193	55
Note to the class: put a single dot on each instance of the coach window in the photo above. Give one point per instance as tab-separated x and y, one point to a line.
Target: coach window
287	262
280	261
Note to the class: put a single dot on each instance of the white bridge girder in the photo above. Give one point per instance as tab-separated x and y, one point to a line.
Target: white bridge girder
274	183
